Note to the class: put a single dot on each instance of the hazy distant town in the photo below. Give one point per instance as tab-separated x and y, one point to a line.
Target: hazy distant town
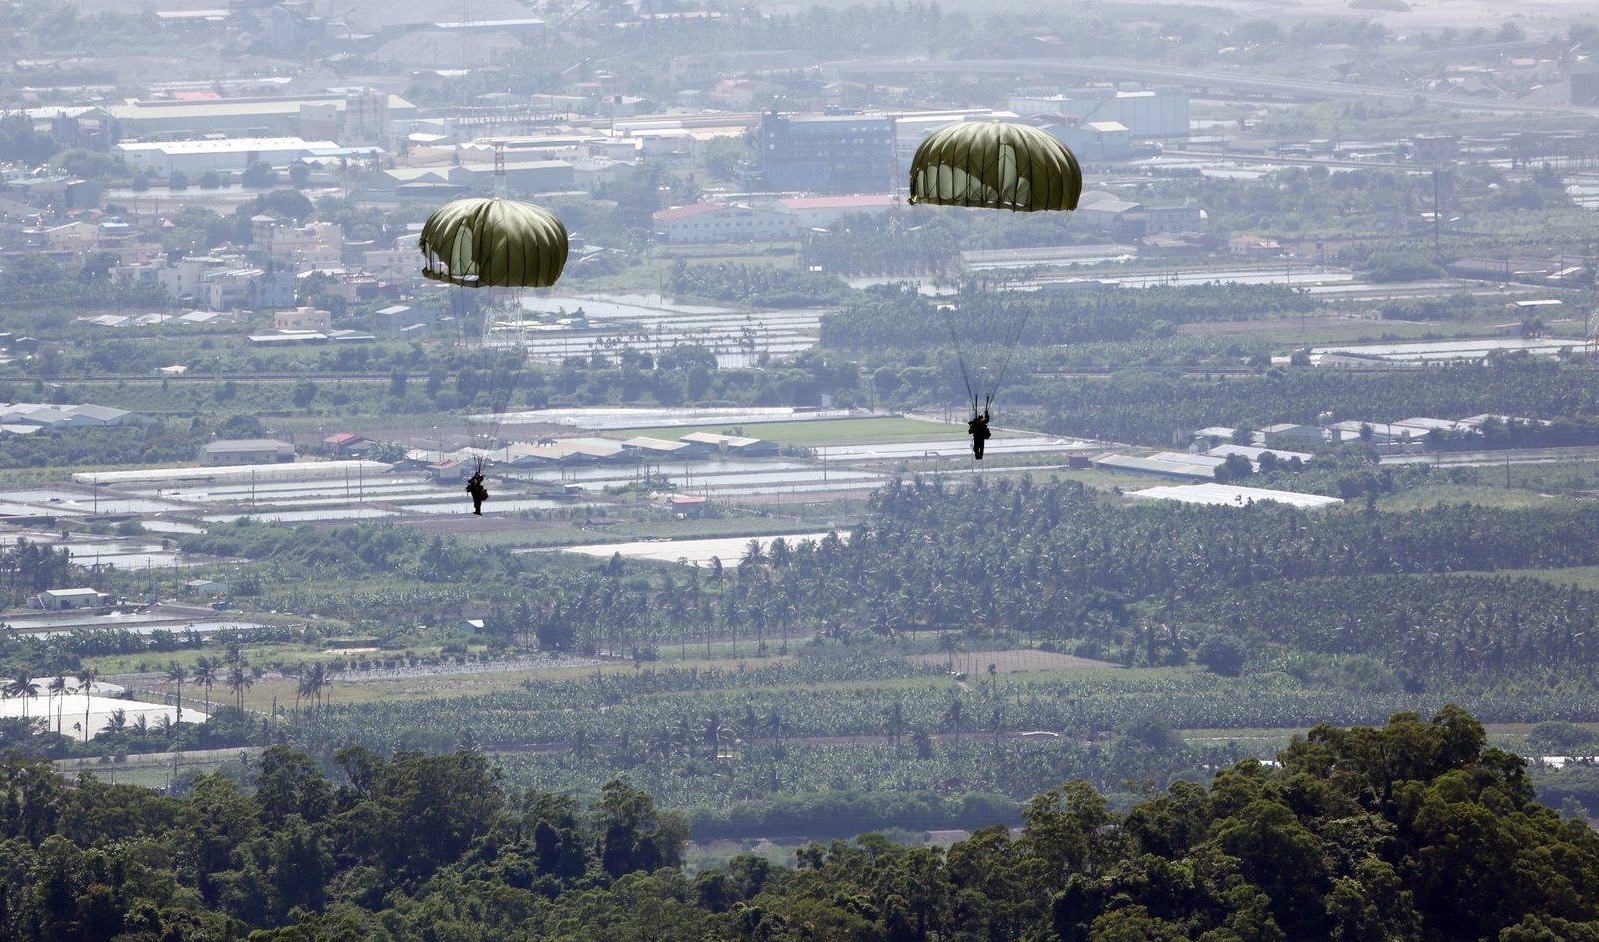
1295	433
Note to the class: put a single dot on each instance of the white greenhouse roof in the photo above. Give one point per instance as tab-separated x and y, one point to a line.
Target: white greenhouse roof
296	471
1230	495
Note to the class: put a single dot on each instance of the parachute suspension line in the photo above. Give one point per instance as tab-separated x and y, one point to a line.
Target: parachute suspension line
921	217
1013	336
503	365
960	354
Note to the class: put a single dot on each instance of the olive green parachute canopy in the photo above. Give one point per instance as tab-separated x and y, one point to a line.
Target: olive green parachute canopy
483	243
995	165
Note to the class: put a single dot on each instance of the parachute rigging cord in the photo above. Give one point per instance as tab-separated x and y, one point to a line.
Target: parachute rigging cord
503	371
1009	339
994	165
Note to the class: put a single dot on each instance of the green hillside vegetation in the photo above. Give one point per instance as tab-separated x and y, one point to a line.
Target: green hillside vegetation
1412	831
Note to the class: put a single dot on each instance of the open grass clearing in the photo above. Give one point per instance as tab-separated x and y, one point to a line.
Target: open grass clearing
1578	577
708	855
1294	332
446	685
1015	661
1105	480
1483	495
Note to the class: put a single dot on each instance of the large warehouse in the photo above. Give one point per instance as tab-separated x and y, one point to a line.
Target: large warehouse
231	154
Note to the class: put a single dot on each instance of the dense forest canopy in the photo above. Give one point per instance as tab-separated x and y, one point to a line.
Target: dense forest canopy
1413	831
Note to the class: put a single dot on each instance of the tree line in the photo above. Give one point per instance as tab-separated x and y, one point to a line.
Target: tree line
1417	830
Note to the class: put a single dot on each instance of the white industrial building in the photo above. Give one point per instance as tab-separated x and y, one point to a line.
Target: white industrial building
1161	111
48	415
246	451
714	222
350	115
230	154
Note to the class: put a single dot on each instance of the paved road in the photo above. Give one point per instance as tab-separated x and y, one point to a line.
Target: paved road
1239	80
1469	459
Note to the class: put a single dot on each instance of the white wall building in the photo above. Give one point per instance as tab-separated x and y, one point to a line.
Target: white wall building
231	154
714	222
823	211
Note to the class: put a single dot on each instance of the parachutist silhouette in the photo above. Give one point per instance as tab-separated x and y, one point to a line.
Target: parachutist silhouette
474	486
977	428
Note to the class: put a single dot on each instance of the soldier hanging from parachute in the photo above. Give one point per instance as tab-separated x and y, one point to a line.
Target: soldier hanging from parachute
992	165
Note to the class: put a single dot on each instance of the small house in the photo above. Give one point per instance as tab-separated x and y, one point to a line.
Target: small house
1291	436
200	588
246	451
686	505
63	600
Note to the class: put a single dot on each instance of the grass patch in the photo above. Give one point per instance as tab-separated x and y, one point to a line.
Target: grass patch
1422	498
1578	577
1105	480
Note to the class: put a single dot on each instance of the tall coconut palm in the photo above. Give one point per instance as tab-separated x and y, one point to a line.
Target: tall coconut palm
178	675
239	681
23	685
86	678
312	683
58	689
320	687
205	674
896	723
953	715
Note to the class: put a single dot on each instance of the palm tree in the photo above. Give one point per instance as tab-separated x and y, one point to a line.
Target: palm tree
949	642
663	744
714	731
58	689
312	684
953	716
205	674
896	723
118	723
86	678
178	675
320	686
23	685
239	681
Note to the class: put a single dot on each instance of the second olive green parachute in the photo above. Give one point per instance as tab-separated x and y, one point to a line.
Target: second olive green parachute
483	243
995	165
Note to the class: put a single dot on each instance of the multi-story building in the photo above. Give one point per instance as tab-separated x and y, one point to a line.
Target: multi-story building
827	154
249	289
304	317
317	242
